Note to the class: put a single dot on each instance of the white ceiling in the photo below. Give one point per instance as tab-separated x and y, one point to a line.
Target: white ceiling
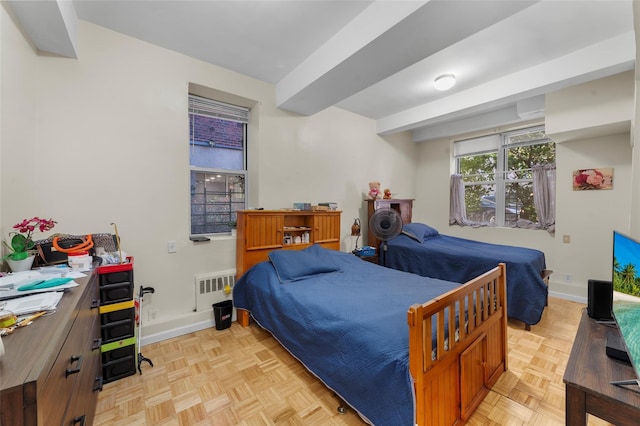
376	58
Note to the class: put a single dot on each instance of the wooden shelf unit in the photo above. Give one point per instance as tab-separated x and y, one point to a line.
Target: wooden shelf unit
260	231
402	206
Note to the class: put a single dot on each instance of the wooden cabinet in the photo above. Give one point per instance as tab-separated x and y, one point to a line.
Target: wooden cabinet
51	369
260	231
402	206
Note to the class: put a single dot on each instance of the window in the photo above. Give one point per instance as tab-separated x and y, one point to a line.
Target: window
498	177
217	157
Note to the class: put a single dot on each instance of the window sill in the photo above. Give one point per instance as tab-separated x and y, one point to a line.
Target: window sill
213	237
199	239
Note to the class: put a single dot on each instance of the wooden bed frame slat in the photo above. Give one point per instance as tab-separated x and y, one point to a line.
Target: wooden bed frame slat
469	364
457	365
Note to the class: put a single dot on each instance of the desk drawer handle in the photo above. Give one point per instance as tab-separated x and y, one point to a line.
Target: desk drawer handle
80	419
97	385
96	343
76	370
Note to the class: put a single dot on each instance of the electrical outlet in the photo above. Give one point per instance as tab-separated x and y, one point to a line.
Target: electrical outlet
171	247
153	314
566	238
567	277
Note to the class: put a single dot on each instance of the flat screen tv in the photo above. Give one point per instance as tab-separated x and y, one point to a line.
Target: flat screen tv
626	287
627	316
626	266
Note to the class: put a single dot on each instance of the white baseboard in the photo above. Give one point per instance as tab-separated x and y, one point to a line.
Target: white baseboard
175	332
178	326
571	297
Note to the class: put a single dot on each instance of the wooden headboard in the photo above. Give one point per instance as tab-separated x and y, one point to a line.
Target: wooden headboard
261	231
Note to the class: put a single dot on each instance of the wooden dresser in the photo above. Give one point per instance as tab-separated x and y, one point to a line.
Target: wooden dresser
50	373
402	206
260	231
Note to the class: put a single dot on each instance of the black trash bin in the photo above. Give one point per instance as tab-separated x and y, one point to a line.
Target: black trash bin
222	314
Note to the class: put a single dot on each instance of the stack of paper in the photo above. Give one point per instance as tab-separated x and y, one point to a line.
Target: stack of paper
10	285
33	303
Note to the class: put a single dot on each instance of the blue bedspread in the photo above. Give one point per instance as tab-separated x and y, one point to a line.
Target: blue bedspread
459	259
348	327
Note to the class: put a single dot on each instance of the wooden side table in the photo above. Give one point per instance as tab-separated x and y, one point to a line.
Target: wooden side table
372	259
588	376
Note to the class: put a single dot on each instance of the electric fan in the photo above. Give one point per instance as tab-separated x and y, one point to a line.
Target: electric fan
385	224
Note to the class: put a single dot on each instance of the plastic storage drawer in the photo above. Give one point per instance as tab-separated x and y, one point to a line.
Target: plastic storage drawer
115	316
117	330
118	360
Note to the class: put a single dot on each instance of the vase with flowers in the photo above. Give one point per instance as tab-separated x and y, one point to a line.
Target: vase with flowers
22	245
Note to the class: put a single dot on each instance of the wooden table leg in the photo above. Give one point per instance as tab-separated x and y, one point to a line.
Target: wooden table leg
576	407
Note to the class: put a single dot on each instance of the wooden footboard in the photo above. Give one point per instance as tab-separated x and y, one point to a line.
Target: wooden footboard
454	373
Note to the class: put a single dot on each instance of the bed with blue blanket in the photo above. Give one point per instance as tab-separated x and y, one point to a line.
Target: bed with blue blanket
360	328
422	250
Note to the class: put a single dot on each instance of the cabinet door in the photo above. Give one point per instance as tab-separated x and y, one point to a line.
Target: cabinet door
264	231
473	376
404	207
326	228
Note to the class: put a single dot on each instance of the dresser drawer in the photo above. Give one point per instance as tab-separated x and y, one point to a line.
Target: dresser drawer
76	365
82	405
63	376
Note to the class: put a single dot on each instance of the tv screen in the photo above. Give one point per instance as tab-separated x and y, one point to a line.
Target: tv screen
626	283
627	316
626	265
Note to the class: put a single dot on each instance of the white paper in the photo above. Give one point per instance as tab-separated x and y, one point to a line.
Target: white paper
9	284
34	303
18	277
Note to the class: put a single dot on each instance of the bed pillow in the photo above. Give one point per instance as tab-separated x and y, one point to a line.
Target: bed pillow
295	265
420	231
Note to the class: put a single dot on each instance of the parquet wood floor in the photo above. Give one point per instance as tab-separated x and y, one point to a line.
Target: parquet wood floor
242	376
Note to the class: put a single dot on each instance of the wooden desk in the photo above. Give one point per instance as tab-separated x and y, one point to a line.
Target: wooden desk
587	378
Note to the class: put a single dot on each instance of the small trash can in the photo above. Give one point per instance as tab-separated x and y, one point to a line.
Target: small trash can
222	314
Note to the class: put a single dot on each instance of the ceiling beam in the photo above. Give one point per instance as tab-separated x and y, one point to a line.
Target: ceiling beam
597	61
384	39
52	26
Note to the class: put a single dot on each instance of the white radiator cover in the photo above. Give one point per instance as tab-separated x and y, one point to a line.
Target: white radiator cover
210	288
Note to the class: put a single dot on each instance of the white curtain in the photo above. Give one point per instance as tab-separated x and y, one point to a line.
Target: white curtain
544	195
457	209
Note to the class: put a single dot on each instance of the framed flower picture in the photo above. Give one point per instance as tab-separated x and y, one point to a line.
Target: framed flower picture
584	179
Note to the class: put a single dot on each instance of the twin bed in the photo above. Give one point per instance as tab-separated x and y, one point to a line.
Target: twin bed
399	348
422	250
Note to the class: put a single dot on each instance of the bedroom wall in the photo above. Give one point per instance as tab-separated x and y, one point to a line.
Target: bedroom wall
588	217
17	99
102	139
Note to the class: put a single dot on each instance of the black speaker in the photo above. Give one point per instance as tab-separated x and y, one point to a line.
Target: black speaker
600	299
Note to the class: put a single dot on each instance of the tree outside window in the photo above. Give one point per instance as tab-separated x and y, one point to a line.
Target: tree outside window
498	177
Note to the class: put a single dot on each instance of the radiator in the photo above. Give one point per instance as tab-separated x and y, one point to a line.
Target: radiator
210	288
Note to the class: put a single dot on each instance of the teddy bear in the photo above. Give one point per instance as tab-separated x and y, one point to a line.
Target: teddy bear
374	190
387	194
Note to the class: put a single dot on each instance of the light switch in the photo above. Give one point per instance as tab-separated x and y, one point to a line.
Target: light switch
171	246
566	238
